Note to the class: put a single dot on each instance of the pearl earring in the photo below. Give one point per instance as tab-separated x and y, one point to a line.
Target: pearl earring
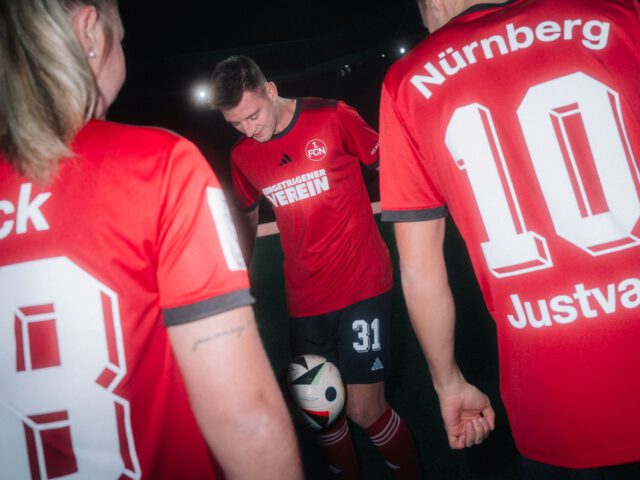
92	54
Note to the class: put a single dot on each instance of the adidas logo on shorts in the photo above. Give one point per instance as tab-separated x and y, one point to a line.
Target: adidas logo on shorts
377	365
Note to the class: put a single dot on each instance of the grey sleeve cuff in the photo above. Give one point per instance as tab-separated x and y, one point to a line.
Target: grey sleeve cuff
414	215
207	308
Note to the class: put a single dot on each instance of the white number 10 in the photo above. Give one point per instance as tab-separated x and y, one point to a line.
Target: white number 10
582	159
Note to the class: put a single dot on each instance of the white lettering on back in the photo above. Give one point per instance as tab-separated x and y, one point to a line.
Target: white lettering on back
593	35
583	302
27	211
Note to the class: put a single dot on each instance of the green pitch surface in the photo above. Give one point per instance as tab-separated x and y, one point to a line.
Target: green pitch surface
409	389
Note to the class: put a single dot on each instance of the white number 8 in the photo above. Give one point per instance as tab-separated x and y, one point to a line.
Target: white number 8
61	358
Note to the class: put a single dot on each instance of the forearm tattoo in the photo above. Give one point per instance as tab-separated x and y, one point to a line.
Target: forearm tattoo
234	332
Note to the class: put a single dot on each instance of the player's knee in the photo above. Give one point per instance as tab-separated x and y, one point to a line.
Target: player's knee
364	412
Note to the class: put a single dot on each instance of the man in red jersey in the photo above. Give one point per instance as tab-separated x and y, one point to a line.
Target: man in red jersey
304	155
128	343
521	118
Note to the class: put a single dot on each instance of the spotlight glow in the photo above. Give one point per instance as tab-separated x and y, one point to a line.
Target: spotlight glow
201	94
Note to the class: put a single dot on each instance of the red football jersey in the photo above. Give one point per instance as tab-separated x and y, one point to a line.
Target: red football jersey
523	120
133	230
310	172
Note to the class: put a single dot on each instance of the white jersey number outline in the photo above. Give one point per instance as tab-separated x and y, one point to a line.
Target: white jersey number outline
598	220
364	330
61	358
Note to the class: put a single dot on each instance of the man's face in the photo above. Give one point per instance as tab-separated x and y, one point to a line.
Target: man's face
255	115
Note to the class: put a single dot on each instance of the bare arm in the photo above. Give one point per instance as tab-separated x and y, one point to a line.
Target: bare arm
235	397
247	228
466	411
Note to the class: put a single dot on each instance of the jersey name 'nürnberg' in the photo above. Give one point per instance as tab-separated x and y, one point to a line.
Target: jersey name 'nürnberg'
595	35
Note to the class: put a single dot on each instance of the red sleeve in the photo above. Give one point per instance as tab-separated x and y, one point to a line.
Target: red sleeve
200	267
407	192
360	139
246	195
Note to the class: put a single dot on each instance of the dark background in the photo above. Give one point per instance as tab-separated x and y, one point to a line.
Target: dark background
331	49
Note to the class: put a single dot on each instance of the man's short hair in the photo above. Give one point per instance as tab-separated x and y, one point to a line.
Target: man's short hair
231	78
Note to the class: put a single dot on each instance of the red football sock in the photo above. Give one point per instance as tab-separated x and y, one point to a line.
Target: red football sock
395	443
339	450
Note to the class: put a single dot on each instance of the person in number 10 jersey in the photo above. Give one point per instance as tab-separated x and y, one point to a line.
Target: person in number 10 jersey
522	120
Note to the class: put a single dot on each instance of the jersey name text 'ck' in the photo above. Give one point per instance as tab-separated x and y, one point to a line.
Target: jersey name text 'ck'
18	215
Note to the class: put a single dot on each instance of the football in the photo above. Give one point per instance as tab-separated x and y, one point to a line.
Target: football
316	387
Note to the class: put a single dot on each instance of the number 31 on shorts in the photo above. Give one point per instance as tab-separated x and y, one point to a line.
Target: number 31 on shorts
366	332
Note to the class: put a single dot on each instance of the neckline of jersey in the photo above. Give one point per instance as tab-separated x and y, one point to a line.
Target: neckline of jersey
293	121
483	6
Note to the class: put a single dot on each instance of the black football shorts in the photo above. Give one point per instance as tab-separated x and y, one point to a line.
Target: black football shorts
356	338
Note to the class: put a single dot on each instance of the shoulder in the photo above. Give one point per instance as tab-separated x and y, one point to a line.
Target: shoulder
128	139
310	104
410	64
327	109
145	152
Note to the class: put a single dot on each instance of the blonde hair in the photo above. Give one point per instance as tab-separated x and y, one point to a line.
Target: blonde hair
48	88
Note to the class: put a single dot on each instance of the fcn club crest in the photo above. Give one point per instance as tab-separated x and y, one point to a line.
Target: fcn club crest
315	150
